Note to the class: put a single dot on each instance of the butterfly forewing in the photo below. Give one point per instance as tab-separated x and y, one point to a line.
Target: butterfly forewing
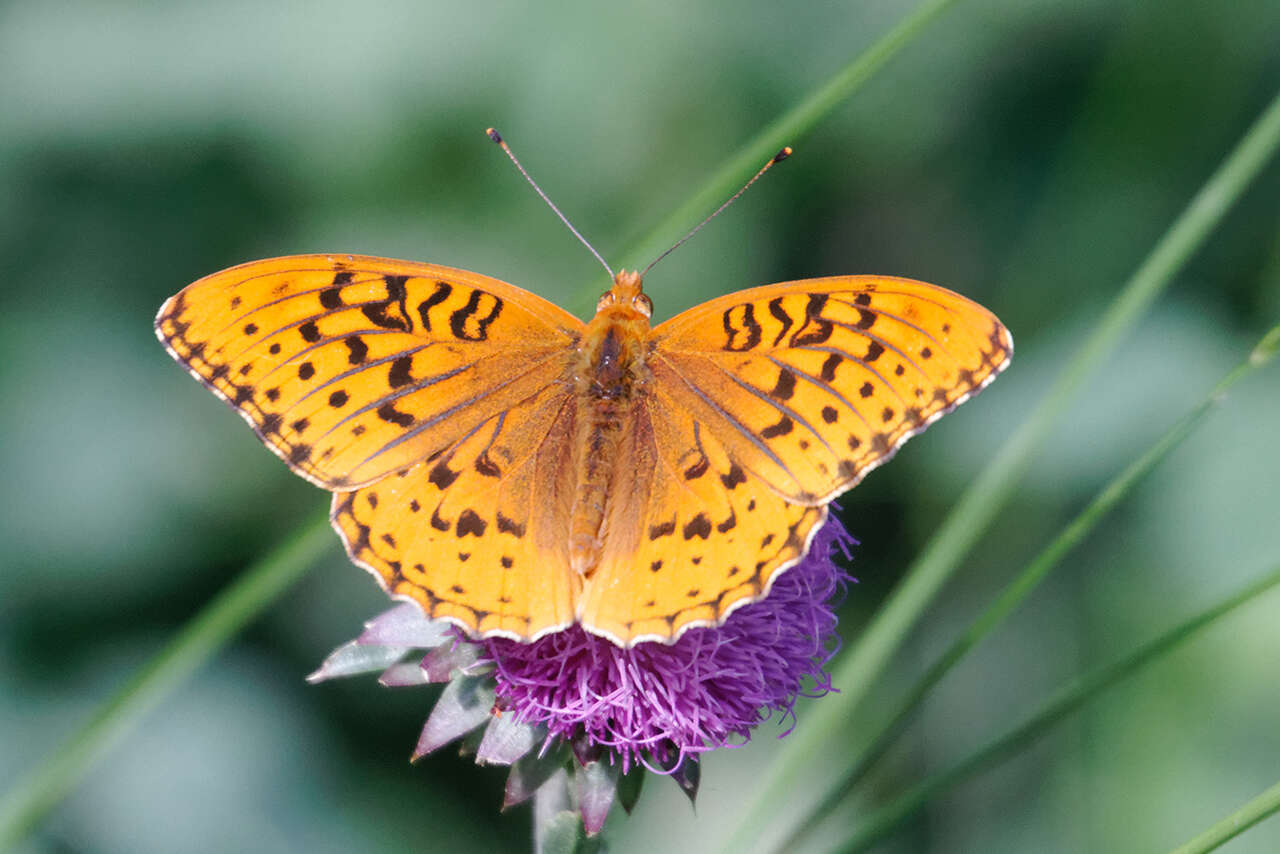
351	368
476	534
811	384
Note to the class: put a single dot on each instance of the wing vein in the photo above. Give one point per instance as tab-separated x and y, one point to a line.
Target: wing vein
727	416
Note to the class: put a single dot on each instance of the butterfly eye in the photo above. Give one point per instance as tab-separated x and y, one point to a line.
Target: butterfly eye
643	304
606	299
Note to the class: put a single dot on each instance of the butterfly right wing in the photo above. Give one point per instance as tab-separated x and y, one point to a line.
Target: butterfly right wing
351	368
812	384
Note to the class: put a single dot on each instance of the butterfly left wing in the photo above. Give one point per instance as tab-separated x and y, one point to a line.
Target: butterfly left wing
351	367
811	384
477	534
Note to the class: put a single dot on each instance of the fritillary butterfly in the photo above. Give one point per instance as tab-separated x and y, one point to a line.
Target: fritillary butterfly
515	471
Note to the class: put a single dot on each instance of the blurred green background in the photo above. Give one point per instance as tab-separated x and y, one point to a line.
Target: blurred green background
1027	154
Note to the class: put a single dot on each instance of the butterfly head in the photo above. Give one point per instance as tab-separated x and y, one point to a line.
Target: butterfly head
625	297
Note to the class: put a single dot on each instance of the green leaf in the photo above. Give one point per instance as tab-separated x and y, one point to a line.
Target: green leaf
597	786
465	704
561	834
629	788
530	772
354	658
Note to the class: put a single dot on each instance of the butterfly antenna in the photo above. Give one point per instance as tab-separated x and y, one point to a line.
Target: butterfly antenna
777	158
497	137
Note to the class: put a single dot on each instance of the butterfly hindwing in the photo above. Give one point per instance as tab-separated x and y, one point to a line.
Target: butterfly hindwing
476	534
811	384
691	535
351	367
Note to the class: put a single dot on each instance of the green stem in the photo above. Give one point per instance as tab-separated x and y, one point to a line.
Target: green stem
1231	826
874	827
28	801
1030	577
788	129
858	670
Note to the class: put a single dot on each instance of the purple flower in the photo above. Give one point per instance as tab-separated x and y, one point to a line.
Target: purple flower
615	711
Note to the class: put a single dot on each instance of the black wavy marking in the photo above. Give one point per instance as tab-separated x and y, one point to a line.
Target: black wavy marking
775	308
823	328
749	324
441	293
458	320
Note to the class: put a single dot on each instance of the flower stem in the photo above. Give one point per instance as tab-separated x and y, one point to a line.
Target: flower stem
1231	826
858	670
873	827
1030	577
229	612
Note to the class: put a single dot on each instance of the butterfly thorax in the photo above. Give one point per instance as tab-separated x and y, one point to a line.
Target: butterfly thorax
609	373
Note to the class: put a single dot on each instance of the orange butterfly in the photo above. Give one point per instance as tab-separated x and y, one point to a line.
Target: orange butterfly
514	471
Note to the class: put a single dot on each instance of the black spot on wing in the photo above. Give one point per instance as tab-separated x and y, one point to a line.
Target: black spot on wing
388	412
698	469
698	526
509	526
471	523
786	385
331	298
665	529
782	428
399	374
441	476
358	350
829	365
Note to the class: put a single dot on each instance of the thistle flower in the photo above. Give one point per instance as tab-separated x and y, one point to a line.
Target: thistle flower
575	702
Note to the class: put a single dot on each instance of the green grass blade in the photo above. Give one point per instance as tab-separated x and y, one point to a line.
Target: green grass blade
1035	572
866	659
787	129
873	828
229	612
1231	826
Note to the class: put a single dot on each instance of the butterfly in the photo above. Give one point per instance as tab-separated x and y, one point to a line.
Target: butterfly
515	471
